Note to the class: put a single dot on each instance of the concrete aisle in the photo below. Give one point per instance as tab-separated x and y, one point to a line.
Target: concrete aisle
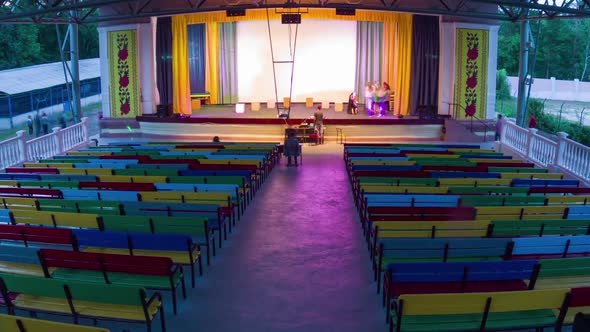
296	262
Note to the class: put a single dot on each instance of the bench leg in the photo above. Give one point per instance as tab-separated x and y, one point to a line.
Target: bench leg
209	254
193	274
214	246
162	319
183	285
174	300
200	265
225	232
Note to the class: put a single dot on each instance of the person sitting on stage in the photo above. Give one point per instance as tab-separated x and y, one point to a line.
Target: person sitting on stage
353	105
319	123
216	139
291	149
369	98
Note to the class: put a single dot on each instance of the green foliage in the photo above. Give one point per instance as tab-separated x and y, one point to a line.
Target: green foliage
552	124
562	48
502	85
26	45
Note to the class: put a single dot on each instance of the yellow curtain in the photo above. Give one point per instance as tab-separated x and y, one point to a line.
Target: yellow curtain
388	71
211	64
181	87
403	64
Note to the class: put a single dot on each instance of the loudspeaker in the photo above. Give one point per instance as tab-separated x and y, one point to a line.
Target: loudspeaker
346	11
291	18
235	12
164	110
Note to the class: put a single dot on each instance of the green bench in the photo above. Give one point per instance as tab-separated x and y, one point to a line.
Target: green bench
502	201
81	299
513	228
564	272
10	323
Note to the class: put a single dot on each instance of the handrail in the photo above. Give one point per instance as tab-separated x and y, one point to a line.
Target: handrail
481	121
19	150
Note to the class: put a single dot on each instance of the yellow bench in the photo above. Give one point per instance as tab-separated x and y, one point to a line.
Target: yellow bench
404	190
56	219
519	212
431	229
133	178
17	203
472	182
10	323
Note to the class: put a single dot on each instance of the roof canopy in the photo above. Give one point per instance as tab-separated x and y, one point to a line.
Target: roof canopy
19	80
81	11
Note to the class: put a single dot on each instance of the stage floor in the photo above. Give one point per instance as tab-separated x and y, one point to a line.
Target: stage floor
298	111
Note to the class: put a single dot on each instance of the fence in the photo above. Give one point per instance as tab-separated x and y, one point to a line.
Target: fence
13	105
19	150
565	154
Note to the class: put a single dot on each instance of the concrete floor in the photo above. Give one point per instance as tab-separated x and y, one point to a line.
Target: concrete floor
296	262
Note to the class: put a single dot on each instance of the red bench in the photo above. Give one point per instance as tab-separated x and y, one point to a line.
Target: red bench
30	192
142	159
123	186
34	170
48	235
385	213
115	269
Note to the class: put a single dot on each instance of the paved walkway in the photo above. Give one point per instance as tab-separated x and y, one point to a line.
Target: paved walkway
296	262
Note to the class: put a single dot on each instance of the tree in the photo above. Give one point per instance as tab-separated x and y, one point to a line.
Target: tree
19	46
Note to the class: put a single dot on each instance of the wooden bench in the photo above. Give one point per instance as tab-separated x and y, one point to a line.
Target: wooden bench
487	200
121	186
43	235
564	272
544	227
9	323
81	299
197	227
480	311
457	277
522	213
18	259
30	192
550	247
559	190
140	271
437	250
56	219
180	248
32	170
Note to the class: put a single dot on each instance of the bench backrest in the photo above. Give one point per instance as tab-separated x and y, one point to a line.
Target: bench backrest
36	234
146	265
56	219
473	303
412	200
124	240
430	229
461	271
565	267
81	291
441	248
552	245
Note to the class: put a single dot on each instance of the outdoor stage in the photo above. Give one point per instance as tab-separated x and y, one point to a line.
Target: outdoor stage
264	125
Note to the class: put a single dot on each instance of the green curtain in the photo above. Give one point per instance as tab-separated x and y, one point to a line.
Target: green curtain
369	53
228	81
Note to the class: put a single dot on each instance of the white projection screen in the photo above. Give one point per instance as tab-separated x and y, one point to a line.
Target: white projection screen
325	57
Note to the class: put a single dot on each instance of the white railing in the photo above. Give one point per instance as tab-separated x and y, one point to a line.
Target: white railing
18	150
566	154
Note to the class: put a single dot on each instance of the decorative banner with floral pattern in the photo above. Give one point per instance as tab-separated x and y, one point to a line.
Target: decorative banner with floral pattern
124	81
472	73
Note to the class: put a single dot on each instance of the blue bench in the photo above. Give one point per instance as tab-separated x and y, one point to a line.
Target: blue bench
550	247
378	158
437	250
545	183
368	150
19	176
231	189
160	166
5	216
485	156
101	195
416	200
457	277
67	177
180	248
577	212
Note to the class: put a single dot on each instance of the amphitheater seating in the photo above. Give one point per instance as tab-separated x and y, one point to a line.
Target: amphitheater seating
434	215
125	217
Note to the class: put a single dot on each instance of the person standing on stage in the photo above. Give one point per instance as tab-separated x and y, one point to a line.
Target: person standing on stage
319	123
384	99
369	98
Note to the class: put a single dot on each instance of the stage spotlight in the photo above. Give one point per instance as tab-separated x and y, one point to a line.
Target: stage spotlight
346	11
235	12
291	18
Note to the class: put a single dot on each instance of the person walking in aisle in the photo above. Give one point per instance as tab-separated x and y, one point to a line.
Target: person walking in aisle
30	125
